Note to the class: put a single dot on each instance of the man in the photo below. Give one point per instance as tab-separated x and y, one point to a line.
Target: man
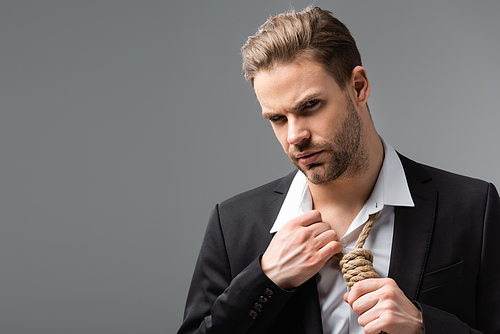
267	262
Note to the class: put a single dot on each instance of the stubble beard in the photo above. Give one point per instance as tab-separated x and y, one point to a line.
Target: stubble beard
348	156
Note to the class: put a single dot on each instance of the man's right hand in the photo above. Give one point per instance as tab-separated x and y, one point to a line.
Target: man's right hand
299	250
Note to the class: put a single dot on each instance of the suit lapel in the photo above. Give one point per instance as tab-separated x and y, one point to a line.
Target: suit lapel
413	228
275	199
280	192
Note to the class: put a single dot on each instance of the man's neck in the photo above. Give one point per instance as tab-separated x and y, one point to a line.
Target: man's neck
342	199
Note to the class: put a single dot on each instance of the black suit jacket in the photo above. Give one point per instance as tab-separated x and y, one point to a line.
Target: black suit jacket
445	257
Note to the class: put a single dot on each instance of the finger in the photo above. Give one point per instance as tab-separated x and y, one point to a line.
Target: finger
366	308
321	239
373	325
365	304
375	328
308	218
304	220
328	250
377	319
364	287
320	228
346	296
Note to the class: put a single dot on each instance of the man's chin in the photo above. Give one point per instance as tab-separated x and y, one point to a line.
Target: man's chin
318	174
315	173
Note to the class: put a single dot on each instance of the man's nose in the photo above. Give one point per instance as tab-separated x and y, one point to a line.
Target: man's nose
297	132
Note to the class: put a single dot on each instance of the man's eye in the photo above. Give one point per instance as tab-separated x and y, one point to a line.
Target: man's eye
276	118
311	103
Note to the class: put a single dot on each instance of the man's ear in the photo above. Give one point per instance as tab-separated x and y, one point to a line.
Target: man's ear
361	85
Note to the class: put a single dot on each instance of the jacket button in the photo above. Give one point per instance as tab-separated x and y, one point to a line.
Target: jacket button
253	314
269	292
263	300
257	307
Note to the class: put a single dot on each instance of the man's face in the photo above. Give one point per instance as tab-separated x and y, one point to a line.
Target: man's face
315	121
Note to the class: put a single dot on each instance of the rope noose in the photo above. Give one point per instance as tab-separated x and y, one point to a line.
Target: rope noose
357	265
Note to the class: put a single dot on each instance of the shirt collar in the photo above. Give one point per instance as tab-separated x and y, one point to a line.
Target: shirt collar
391	188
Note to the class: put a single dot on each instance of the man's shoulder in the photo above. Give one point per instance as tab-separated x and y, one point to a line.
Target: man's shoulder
262	193
442	179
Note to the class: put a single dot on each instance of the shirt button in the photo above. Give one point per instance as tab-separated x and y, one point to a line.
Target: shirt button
343	242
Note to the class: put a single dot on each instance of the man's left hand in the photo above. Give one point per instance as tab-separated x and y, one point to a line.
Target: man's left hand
382	306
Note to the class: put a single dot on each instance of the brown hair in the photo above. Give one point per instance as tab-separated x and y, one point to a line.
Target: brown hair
312	33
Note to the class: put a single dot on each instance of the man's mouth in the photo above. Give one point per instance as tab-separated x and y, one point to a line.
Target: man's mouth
307	158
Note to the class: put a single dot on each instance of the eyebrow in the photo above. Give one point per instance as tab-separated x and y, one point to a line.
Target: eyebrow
298	107
308	98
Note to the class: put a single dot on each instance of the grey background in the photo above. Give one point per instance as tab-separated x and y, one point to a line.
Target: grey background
122	123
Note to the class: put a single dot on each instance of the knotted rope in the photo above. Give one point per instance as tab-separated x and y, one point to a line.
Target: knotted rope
357	265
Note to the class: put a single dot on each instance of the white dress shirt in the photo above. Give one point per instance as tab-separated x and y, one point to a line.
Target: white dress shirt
391	189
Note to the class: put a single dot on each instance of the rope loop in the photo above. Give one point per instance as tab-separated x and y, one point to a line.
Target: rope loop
357	266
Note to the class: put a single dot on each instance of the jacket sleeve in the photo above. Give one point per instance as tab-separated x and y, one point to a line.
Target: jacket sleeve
488	304
487	301
220	303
